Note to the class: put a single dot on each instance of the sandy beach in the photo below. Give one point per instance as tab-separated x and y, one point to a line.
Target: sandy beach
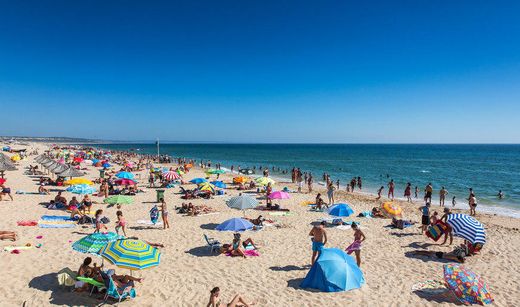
188	271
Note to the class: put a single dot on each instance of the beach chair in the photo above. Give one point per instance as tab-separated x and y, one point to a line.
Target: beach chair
66	277
212	243
94	283
115	293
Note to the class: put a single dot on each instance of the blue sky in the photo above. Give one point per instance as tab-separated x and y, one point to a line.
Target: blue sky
262	71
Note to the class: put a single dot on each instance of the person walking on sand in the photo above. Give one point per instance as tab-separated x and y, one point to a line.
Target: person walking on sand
355	247
330	193
391	186
442	196
164	213
408	192
472	205
120	223
379	192
319	239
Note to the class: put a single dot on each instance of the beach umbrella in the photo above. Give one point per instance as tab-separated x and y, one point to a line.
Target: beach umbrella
5	166
171	175
78	159
206	186
93	243
125	175
81	189
125	182
118	199
131	254
78	181
242	202
467	286
198	180
235	224
240	179
40	158
467	227
279	195
341	210
264	181
215	172
49	163
105	165
334	271
70	172
391	210
219	184
94	161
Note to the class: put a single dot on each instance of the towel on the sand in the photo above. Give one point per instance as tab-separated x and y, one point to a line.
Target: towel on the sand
56	224
27	223
148	222
56	218
248	253
280	213
12	248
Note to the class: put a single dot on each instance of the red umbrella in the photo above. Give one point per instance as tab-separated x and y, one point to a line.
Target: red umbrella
78	159
125	182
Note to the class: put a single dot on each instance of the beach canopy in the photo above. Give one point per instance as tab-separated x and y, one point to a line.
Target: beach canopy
391	210
81	189
467	286
341	210
93	243
235	224
125	175
41	158
334	271
279	195
7	166
198	180
78	181
215	171
264	181
242	202
131	254
219	184
70	172
171	175
118	199
467	227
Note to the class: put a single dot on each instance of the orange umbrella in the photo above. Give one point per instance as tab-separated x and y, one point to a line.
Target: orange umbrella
240	179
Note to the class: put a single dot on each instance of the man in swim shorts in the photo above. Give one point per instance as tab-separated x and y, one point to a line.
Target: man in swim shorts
319	239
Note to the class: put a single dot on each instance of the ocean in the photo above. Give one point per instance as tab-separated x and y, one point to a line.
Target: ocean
485	168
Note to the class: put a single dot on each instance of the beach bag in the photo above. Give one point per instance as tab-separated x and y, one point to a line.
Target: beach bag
104	220
436	231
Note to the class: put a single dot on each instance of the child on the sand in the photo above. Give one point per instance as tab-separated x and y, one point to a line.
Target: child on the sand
120	223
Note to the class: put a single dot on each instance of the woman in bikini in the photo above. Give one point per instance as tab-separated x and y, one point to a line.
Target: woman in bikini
355	247
164	213
214	300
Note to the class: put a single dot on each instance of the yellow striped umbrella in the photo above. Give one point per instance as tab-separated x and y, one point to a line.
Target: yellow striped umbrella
391	209
264	180
131	254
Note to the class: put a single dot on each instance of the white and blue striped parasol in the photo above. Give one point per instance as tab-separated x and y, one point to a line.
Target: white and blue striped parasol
242	202
467	227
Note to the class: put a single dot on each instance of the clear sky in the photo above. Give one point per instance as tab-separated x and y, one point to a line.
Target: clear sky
262	71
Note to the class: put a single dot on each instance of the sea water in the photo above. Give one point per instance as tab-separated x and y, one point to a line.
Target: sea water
485	168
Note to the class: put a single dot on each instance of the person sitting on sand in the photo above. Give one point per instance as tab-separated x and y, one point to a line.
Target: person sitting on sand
42	190
8	235
258	221
85	270
376	212
59	199
214	300
319	202
86	203
246	242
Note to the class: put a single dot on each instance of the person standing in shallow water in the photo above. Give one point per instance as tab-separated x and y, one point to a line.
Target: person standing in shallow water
408	192
442	196
391	186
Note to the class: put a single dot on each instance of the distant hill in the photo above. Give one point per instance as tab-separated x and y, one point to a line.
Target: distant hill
51	139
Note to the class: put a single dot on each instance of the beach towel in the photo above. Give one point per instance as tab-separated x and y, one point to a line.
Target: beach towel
27	223
367	214
355	246
248	253
55	218
12	248
146	222
436	231
56	224
280	213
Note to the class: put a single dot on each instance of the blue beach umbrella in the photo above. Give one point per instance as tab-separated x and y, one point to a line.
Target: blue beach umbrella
341	210
81	189
334	271
235	224
125	175
106	165
219	184
94	161
198	180
467	227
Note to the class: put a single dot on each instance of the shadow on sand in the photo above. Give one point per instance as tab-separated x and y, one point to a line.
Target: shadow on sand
62	295
202	251
289	268
209	226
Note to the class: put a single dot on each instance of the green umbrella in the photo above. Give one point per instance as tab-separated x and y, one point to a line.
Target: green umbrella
118	199
93	243
215	171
